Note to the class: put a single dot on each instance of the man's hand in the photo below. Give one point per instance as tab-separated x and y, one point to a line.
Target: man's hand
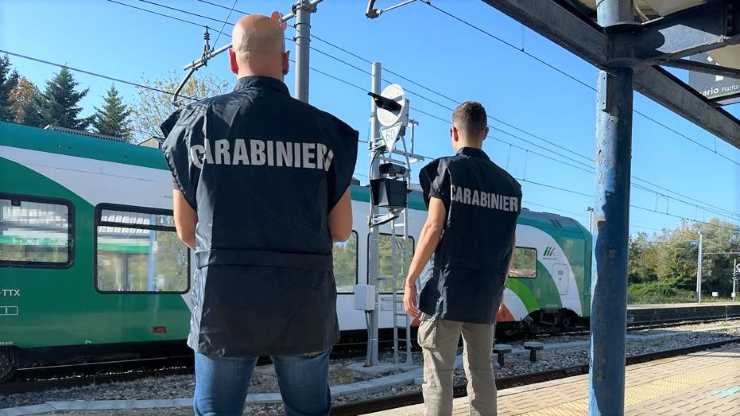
409	300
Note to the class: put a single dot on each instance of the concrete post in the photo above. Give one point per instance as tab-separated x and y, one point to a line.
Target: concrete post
699	258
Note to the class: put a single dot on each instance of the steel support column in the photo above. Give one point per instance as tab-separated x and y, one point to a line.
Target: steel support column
609	285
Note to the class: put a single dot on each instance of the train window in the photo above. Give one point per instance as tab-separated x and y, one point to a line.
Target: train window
35	232
345	264
524	263
137	250
390	266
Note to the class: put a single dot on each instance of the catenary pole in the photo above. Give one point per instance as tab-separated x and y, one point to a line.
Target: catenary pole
302	10
372	249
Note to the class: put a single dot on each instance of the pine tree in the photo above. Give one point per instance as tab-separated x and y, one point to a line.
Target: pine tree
8	81
58	105
113	118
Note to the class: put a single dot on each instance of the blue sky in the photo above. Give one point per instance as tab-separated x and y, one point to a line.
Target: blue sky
426	46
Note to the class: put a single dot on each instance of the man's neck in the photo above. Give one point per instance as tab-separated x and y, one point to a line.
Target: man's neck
471	145
252	74
246	71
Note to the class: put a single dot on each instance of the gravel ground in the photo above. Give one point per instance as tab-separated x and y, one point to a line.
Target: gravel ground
264	380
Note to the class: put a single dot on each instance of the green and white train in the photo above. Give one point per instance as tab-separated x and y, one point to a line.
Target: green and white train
89	256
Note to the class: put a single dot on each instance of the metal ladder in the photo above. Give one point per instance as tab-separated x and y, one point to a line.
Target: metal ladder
400	318
399	241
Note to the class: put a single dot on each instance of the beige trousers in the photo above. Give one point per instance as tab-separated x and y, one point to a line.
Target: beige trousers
438	339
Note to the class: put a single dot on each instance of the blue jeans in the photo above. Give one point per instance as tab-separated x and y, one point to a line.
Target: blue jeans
221	384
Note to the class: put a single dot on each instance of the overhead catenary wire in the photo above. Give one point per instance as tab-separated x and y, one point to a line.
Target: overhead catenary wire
575	79
319	71
590	169
529	181
581	166
223	26
91	73
576	163
412	92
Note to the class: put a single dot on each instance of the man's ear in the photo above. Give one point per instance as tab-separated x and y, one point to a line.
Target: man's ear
286	62
485	133
232	61
455	134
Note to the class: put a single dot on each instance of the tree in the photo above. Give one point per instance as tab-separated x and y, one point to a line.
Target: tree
670	259
154	107
58	105
643	259
8	81
25	98
113	118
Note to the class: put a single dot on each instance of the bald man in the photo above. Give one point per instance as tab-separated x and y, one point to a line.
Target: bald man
261	192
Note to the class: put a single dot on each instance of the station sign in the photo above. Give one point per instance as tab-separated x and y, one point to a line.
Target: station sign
718	88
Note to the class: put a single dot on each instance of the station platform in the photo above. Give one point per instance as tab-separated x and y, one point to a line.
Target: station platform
676	312
704	383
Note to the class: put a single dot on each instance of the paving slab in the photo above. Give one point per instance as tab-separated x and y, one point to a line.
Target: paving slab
698	384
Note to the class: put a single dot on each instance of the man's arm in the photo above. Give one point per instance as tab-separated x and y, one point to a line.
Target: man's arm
185	219
340	218
428	241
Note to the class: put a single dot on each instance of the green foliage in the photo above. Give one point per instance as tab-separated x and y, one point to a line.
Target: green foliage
113	118
138	261
668	260
58	104
394	258
25	99
154	107
658	292
345	264
8	81
524	262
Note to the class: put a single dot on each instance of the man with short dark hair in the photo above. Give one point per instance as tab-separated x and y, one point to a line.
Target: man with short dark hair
473	208
262	189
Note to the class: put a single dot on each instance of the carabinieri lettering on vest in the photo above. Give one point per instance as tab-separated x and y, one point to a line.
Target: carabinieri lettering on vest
484	199
256	152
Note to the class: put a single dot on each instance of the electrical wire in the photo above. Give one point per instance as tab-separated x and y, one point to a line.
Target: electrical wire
91	73
573	78
224	25
412	92
360	89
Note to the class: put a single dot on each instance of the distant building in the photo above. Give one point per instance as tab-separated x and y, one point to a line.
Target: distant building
151	142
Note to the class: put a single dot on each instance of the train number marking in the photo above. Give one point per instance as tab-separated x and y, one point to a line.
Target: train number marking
10	292
8	310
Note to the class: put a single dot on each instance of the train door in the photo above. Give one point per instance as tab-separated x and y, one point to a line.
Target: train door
560	271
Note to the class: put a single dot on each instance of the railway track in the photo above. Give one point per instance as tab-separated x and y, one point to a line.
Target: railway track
37	379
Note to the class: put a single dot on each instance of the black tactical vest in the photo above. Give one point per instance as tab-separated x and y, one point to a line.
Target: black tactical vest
262	170
471	261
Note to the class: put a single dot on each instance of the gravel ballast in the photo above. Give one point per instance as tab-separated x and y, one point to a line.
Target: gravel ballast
559	352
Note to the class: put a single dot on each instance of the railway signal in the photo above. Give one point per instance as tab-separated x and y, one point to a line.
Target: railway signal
391	156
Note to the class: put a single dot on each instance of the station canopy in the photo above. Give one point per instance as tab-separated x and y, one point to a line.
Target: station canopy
701	36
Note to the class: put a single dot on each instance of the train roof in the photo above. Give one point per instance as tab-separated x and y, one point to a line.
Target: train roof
105	148
79	144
